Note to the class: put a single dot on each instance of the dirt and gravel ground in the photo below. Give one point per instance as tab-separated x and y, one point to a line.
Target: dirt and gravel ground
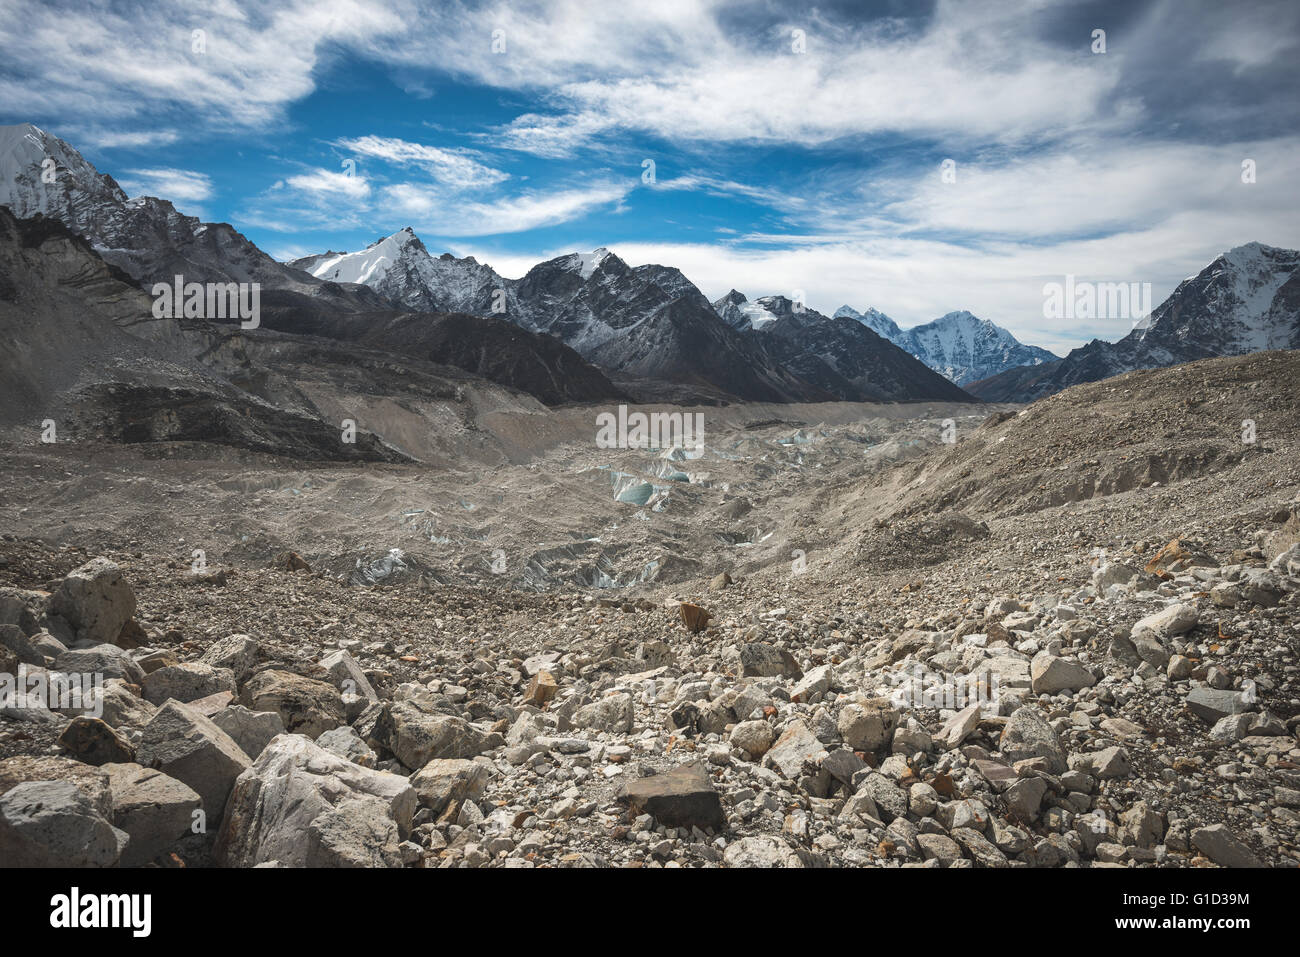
870	562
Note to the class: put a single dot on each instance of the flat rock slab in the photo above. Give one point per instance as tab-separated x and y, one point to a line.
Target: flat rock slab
682	797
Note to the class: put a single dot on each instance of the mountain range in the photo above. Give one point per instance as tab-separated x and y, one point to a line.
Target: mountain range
959	346
1247	300
589	327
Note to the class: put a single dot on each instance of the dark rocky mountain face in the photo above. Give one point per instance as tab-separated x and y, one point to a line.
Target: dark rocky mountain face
82	348
149	241
845	357
649	322
1247	300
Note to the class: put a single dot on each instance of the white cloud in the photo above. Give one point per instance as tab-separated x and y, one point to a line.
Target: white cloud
456	168
178	185
326	183
443	214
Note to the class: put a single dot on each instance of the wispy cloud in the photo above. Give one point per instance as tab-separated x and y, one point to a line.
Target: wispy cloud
456	168
180	185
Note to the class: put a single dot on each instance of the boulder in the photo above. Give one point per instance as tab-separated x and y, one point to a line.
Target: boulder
796	749
236	652
767	852
761	660
154	808
1223	847
346	743
251	730
53	824
91	781
305	705
682	797
95	600
611	713
1028	735
1050	674
293	783
184	744
415	738
347	675
187	682
358	832
754	737
110	661
1170	622
91	740
445	781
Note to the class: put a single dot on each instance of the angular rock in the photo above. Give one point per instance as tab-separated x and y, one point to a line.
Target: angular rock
347	675
1050	674
960	726
864	728
613	713
187	682
305	705
155	809
184	744
94	742
682	797
1223	847
761	660
53	824
236	652
1170	622
109	661
1211	705
293	783
794	750
91	781
95	600
442	782
755	737
251	730
358	832
1028	735
346	743
416	738
766	852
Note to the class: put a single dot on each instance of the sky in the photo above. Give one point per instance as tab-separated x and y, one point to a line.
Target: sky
918	157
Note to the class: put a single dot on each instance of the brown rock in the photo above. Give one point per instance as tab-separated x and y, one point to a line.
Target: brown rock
694	617
682	797
91	740
541	689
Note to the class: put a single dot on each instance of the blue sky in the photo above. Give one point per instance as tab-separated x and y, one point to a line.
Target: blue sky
795	148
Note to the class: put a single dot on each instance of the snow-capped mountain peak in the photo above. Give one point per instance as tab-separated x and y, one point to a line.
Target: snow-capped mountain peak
588	263
401	269
873	319
739	313
40	173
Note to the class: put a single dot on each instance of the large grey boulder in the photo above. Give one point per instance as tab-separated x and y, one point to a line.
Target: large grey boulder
415	737
251	730
611	713
95	600
110	661
154	808
1050	674
347	675
305	705
187	682
277	801
187	745
1028	735
236	652
53	824
444	781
